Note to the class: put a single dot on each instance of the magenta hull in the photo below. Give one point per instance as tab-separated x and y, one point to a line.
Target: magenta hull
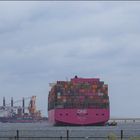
78	116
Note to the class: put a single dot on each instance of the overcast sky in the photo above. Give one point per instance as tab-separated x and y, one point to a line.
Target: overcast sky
41	42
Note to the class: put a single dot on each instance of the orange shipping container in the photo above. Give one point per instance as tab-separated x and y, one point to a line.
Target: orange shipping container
94	86
94	90
66	86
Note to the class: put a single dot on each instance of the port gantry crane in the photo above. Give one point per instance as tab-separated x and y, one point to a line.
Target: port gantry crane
32	107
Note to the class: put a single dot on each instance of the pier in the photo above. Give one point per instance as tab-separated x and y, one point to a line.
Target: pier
125	120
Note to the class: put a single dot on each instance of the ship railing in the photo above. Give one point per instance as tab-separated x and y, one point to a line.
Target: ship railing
70	135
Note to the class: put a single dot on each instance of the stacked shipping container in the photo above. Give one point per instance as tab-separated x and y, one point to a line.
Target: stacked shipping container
79	93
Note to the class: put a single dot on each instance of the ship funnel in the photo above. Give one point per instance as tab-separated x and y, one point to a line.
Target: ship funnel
3	101
12	102
23	105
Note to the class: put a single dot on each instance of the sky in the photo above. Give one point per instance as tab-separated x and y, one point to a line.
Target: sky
43	41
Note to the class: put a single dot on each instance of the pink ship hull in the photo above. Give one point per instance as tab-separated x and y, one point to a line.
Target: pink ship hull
78	116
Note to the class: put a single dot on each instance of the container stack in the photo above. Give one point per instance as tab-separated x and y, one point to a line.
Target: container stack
79	93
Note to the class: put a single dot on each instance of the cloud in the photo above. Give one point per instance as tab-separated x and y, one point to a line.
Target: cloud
41	42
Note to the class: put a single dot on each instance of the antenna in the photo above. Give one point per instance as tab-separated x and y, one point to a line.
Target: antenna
23	105
12	102
4	101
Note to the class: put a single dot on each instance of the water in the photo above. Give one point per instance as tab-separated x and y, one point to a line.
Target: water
48	132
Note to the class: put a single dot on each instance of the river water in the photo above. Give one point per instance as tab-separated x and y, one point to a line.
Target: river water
44	131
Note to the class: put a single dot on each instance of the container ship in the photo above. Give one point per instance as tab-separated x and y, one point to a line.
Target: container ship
20	114
78	102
